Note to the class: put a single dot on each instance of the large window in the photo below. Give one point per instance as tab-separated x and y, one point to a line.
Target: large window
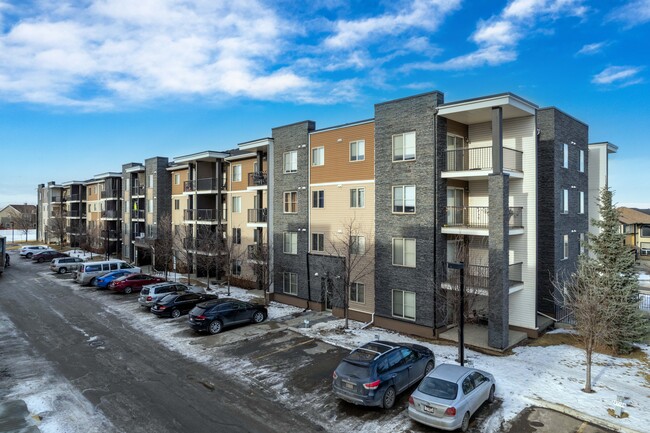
290	283
290	243
318	199
177	179
317	242
236	267
645	231
582	161
404	304
404	147
357	150
404	252
404	199
236	236
358	292
177	204
582	202
290	202
565	246
565	156
358	197
290	161
357	245
564	206
236	204
318	156
236	173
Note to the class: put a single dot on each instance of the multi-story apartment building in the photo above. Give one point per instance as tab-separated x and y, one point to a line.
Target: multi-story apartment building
74	198
50	206
103	213
598	166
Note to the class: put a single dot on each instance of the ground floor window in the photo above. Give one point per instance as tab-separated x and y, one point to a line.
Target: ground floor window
404	304
290	283
236	267
358	292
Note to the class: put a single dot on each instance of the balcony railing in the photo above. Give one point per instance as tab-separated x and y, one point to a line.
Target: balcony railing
137	190
74	213
257	178
203	215
257	252
57	199
137	214
478	216
207	184
480	158
110	213
114	193
478	276
258	215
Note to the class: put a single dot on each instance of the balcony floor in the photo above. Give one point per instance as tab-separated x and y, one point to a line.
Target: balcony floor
477	336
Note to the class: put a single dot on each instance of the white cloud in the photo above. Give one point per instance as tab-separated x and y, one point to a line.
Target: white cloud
590	49
633	13
618	75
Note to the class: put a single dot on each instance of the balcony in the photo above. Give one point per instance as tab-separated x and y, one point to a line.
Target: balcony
257	252
137	214
258	216
257	178
112	194
74	213
137	190
203	215
207	184
475	220
111	213
72	197
476	162
477	277
74	230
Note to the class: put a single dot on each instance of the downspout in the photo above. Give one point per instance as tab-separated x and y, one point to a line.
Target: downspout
308	284
369	324
435	221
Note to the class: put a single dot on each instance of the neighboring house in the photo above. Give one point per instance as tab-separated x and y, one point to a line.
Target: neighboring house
598	177
636	227
14	212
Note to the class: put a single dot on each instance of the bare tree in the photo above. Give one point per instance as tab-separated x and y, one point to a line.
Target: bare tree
57	225
163	244
209	246
354	247
476	276
230	255
259	255
184	245
23	223
94	239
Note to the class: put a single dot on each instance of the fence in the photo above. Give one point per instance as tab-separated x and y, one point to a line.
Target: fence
644	303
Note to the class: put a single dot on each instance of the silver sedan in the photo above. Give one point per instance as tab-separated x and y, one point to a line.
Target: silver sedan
449	395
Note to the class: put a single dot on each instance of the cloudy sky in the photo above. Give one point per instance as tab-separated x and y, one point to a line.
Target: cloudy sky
88	85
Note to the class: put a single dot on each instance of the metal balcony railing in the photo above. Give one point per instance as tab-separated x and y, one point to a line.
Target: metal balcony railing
207	184
478	216
480	158
110	213
137	214
203	215
258	215
478	276
114	193
137	190
257	178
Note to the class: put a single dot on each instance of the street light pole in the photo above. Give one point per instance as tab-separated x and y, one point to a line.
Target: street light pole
461	311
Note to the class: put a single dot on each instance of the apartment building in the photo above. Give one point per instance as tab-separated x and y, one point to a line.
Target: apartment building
598	162
74	199
50	205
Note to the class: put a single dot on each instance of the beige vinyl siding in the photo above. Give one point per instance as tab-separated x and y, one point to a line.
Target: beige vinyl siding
178	189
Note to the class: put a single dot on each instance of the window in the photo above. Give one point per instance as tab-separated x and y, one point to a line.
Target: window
583	246
150	207
177	204
564	207
565	249
236	267
151	181
357	150
404	304
318	156
317	242
358	292
582	202
645	231
358	197
290	160
236	236
582	161
177	179
404	147
565	155
290	202
236	173
404	252
404	199
290	283
236	204
357	245
318	199
290	243
126	184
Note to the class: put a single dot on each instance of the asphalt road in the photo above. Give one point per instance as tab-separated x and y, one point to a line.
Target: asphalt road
136	383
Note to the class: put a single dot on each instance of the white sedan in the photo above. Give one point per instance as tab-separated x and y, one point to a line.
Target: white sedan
449	395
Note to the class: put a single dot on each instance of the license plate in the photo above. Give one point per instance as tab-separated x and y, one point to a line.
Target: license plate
349	385
429	409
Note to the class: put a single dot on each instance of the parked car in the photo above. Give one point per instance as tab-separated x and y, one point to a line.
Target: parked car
176	304
152	293
28	251
214	316
375	373
133	282
449	395
47	256
87	272
63	265
103	281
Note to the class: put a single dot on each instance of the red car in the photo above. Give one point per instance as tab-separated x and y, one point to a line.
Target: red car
133	282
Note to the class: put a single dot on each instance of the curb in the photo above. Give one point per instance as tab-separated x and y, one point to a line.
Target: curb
582	416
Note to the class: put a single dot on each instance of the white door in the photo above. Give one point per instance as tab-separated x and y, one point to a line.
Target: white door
455	204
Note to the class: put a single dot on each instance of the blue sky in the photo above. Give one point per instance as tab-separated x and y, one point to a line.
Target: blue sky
86	86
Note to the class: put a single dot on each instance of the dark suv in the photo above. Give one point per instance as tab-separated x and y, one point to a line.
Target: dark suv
375	373
213	316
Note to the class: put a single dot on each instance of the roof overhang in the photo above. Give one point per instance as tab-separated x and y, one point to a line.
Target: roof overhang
134	169
611	147
73	182
248	155
255	145
207	155
178	167
107	175
479	110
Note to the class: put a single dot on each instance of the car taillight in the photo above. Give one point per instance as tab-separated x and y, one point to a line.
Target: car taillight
161	307
372	385
451	411
411	402
200	317
149	298
334	375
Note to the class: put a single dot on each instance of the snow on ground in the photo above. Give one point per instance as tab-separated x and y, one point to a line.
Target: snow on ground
18	235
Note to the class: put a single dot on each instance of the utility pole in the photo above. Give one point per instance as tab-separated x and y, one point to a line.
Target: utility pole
461	311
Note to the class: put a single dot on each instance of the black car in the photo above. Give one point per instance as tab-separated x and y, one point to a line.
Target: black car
376	372
176	304
213	316
47	256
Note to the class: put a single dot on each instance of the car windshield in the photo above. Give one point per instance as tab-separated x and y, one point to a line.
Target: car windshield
438	388
354	370
168	299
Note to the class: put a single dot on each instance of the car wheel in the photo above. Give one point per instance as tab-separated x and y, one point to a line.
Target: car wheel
258	317
215	327
388	400
428	368
39	260
62	270
465	424
128	290
176	313
29	255
92	281
491	396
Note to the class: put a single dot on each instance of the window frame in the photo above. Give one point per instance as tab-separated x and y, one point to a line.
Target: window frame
236	235
581	210
565	247
581	164
403	314
354	288
565	156
290	160
564	201
403	137
318	198
360	243
318	156
404	207
177	179
236	204
293	282
404	253
358	198
288	204
318	240
236	266
236	173
357	144
293	245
